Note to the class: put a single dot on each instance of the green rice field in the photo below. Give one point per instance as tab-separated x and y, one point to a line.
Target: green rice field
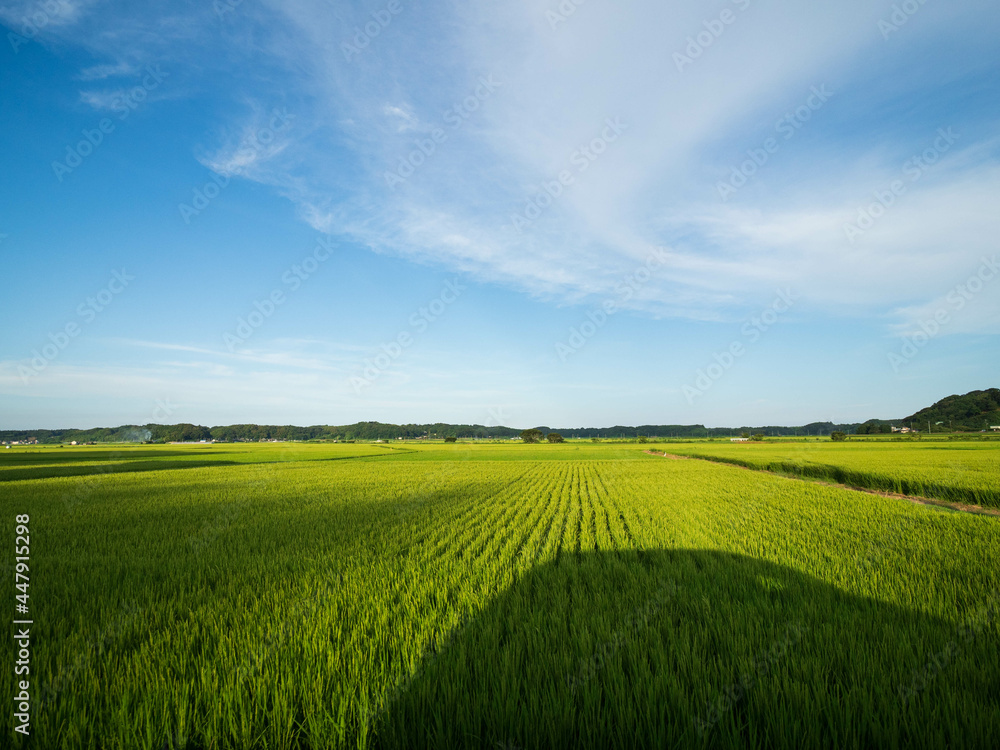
281	596
964	472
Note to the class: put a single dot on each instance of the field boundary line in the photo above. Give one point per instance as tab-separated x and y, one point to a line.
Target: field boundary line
918	499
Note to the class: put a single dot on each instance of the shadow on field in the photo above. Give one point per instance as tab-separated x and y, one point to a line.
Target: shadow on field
107	467
694	648
75	455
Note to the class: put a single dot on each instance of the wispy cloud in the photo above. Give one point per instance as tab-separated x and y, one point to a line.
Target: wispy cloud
248	149
353	122
108	70
34	16
280	353
407	120
404	150
559	90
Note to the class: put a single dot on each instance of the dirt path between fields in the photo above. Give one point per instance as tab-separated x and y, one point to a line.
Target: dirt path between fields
946	504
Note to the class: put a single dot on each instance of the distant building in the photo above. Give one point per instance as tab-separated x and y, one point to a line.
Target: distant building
901	429
739	440
995	428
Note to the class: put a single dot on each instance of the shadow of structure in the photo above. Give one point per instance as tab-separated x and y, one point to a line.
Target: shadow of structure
77	455
695	648
108	467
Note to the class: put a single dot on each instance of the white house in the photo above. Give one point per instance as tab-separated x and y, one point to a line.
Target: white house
739	440
995	428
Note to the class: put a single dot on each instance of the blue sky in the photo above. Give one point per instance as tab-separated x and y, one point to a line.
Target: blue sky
313	212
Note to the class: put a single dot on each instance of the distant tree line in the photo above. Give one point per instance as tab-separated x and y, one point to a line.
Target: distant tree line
157	433
976	410
875	427
696	430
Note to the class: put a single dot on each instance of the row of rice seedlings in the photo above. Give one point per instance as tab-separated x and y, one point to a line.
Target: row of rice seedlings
545	539
518	555
571	522
317	675
588	520
766	725
461	529
489	546
518	506
600	519
629	525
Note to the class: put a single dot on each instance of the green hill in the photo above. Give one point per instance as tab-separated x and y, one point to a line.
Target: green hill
976	410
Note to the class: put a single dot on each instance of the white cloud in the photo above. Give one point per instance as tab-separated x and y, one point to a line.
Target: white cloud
408	121
108	99
558	89
31	17
247	149
109	70
357	120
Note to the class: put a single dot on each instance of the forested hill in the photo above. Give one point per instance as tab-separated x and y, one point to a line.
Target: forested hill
378	430
976	410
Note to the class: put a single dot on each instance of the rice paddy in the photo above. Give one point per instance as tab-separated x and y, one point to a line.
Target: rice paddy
500	596
963	472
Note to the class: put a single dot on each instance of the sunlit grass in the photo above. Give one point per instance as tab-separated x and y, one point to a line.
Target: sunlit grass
960	472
